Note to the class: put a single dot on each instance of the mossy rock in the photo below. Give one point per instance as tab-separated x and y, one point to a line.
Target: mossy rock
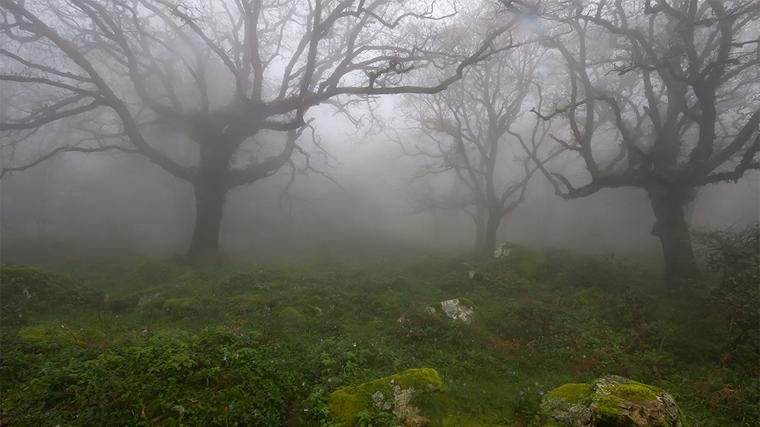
610	401
51	336
568	405
412	397
458	309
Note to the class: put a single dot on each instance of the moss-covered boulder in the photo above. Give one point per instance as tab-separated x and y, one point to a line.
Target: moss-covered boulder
610	401
413	398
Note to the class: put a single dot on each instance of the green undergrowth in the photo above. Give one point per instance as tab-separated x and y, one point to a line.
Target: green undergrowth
160	343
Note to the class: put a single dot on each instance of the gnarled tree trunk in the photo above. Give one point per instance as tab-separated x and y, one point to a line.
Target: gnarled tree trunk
209	208
671	227
480	226
210	189
491	229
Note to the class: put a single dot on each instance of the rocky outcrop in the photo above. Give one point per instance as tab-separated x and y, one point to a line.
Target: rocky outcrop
459	309
610	401
409	397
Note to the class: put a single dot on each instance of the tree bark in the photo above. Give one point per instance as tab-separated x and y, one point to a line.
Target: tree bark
480	226
492	227
672	228
209	208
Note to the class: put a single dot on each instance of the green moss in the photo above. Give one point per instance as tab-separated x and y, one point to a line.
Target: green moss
26	288
347	402
186	306
466	302
613	391
611	400
56	335
526	262
572	392
636	391
607	406
250	301
291	315
152	273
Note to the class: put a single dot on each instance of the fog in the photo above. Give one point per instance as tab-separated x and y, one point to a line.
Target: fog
390	151
388	213
114	206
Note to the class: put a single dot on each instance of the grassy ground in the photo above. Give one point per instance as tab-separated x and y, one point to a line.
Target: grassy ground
163	344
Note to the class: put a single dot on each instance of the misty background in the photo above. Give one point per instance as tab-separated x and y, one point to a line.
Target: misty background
361	196
110	205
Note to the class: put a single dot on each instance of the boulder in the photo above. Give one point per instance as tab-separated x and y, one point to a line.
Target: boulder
503	250
412	398
610	401
459	309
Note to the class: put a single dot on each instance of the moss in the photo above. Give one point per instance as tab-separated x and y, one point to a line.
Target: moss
23	288
466	302
152	273
613	401
347	402
250	301
150	300
636	391
611	392
526	262
607	406
571	393
55	335
186	306
313	310
291	315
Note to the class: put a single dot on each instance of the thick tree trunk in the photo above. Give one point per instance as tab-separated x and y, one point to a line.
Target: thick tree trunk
491	229
209	207
480	227
672	228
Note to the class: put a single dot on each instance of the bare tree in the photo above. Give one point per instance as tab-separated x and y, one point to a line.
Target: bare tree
663	95
220	73
470	131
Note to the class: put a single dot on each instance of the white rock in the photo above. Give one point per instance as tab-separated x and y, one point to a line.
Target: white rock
503	250
456	311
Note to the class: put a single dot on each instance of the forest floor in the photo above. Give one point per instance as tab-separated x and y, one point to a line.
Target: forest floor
159	343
